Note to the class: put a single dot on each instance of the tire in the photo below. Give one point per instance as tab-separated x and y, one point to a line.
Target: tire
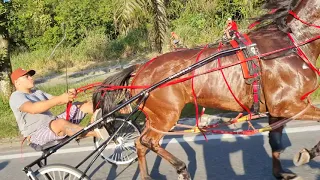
122	149
59	172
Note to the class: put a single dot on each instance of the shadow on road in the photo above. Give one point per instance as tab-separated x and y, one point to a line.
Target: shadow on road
3	164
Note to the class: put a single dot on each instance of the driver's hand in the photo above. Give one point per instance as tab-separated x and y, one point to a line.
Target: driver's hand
72	94
72	91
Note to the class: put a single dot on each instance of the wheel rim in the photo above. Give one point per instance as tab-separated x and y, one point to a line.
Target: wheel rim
122	150
58	173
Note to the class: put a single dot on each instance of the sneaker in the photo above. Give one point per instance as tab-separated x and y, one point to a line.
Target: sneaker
102	132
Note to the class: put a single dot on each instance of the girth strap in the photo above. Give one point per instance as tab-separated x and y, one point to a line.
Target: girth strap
250	69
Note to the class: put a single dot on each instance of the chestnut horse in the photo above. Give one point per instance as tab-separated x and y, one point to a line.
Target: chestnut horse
285	77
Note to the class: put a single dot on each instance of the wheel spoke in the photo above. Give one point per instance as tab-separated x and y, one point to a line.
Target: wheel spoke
129	149
126	157
124	151
60	175
132	137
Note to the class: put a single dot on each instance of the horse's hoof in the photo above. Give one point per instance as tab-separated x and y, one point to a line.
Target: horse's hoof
184	176
147	178
286	176
301	157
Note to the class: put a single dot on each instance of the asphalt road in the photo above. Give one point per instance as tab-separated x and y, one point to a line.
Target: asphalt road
222	157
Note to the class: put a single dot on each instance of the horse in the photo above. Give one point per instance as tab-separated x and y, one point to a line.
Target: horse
285	78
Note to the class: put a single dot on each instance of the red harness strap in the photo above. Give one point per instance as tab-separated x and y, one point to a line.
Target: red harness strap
192	87
255	84
228	85
139	71
307	61
304	22
246	74
68	110
242	58
303	55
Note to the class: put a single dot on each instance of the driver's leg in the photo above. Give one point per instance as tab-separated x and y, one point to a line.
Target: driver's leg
55	130
86	107
77	112
62	127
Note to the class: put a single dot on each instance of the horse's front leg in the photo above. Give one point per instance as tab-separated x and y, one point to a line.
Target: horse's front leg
275	141
151	141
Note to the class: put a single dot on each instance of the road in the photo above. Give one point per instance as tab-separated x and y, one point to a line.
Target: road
222	157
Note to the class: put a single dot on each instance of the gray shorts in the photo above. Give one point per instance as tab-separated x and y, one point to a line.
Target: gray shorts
44	134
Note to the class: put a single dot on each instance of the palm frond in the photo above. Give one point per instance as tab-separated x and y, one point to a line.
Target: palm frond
125	14
160	22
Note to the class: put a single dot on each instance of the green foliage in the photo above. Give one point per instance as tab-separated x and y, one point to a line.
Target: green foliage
203	21
136	41
92	48
131	14
8	125
37	24
96	47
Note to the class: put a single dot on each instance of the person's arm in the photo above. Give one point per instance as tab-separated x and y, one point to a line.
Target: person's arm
50	96
228	27
42	106
47	95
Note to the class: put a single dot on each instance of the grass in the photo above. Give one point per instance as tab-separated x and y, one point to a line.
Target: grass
94	50
8	125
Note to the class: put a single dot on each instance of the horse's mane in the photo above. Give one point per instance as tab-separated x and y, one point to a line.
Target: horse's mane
108	99
280	16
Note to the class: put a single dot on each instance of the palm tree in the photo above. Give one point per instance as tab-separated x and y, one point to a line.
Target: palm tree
133	13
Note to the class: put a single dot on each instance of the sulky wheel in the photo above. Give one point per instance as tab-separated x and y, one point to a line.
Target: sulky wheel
122	149
59	172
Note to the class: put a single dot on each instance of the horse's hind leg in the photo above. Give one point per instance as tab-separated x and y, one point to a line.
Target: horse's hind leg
151	140
141	152
315	151
275	136
275	141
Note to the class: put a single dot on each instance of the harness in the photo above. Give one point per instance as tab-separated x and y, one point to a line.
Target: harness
250	69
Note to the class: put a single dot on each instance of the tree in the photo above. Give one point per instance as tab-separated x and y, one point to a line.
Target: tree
131	14
5	65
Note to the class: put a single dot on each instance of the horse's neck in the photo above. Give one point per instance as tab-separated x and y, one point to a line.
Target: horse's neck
308	11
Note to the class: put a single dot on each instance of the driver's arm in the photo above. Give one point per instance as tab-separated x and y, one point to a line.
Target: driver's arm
42	106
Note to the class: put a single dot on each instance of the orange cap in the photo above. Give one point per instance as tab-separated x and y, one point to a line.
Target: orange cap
20	72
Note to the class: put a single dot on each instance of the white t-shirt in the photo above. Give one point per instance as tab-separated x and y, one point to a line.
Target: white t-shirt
29	123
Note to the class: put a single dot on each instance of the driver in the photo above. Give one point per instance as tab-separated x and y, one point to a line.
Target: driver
31	109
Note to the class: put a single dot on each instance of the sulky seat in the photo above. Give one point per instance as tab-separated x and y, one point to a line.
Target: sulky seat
46	146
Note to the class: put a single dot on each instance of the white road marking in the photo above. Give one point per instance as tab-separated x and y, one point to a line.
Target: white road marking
164	141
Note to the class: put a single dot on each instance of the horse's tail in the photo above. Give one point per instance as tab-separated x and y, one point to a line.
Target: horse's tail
107	100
